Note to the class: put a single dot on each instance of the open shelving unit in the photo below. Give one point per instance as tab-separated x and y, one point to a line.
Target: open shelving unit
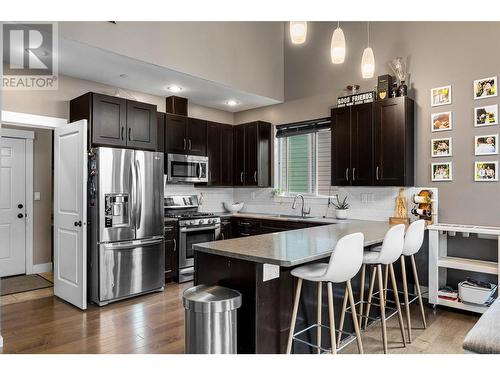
439	261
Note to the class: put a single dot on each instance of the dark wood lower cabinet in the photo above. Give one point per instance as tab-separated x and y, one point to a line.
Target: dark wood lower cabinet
171	252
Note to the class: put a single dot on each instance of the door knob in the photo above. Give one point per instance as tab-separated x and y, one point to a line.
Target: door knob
20	205
20	216
78	223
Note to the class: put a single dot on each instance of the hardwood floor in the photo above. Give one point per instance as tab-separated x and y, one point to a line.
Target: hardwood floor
155	324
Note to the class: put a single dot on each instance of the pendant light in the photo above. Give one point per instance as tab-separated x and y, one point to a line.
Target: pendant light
337	47
368	60
298	31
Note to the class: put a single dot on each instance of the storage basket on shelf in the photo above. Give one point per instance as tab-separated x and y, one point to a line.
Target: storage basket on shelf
474	293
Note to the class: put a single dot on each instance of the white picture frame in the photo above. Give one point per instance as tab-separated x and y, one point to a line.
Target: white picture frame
486	144
487	166
441	96
485	88
439	147
484	113
441	121
442	171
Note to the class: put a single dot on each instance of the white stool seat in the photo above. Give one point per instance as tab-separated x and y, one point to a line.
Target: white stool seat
311	272
371	257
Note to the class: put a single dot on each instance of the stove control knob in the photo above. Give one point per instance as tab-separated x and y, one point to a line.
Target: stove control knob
209	221
200	222
191	222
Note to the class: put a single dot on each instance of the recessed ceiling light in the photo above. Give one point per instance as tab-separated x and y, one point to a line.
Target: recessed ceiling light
232	102
123	75
174	88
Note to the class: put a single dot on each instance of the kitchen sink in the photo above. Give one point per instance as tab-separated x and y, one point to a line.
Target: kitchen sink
295	216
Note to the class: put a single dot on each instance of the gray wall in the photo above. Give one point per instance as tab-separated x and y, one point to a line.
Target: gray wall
439	54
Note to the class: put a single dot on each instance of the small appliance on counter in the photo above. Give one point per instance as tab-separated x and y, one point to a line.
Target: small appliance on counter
194	227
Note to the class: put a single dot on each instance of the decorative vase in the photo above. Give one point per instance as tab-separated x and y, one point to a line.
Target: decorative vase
394	90
341	214
403	89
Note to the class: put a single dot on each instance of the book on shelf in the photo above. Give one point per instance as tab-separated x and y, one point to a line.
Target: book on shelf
449	298
448	293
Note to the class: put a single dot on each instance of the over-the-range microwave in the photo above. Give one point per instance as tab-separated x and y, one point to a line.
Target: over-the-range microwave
186	168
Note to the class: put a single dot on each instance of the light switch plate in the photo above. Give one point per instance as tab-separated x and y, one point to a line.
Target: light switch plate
37	196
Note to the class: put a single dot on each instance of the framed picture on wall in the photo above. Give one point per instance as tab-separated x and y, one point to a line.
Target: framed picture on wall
486	171
441	147
441	171
486	115
441	96
441	121
485	88
486	144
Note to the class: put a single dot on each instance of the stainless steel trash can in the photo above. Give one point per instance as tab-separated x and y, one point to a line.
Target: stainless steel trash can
210	319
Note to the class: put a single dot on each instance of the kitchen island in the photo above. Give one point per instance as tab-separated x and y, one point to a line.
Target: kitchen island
259	267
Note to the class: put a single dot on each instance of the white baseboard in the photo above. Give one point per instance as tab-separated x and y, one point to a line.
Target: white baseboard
44	267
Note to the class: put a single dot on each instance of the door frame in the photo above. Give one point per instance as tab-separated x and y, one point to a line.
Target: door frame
29	121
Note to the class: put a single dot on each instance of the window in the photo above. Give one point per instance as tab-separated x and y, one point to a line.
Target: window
304	163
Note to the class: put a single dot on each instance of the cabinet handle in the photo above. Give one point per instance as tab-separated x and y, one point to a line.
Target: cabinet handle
244	234
244	223
376	173
255	176
175	244
122	133
129	134
353	174
241	176
189	142
222	236
184	143
347	174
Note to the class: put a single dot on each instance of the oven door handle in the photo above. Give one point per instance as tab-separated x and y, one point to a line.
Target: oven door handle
198	229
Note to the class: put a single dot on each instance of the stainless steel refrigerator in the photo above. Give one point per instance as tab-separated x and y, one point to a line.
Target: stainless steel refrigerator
125	207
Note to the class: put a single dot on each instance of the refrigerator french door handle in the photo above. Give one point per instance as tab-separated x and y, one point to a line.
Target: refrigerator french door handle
132	244
133	197
138	194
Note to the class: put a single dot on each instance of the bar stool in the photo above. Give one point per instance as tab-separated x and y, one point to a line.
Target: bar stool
344	263
390	251
414	239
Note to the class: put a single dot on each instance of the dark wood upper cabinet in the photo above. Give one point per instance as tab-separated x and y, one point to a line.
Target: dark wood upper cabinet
372	144
185	135
341	146
220	154
239	155
252	149
196	136
141	125
394	142
175	134
362	145
160	133
116	122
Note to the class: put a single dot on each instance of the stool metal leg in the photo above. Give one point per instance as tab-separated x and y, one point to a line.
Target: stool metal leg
382	306
332	318
342	316
419	293
406	300
354	317
398	305
294	316
320	305
370	293
362	292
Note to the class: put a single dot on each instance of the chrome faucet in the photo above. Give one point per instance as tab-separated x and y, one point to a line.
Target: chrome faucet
303	210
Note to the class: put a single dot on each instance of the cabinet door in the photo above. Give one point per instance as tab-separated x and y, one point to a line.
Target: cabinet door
226	230
239	155
197	136
251	154
389	142
362	145
341	146
226	155
109	120
175	134
264	156
213	152
160	133
142	125
171	260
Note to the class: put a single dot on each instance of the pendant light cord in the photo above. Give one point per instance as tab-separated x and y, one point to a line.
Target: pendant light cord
368	29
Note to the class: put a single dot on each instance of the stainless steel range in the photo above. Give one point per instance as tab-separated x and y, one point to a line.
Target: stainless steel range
194	227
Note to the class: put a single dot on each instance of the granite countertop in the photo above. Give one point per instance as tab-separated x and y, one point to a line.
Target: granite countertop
255	215
295	247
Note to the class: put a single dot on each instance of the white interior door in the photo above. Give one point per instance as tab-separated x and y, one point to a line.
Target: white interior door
12	206
70	213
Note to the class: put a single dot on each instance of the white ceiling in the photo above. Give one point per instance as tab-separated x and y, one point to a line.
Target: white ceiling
87	62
